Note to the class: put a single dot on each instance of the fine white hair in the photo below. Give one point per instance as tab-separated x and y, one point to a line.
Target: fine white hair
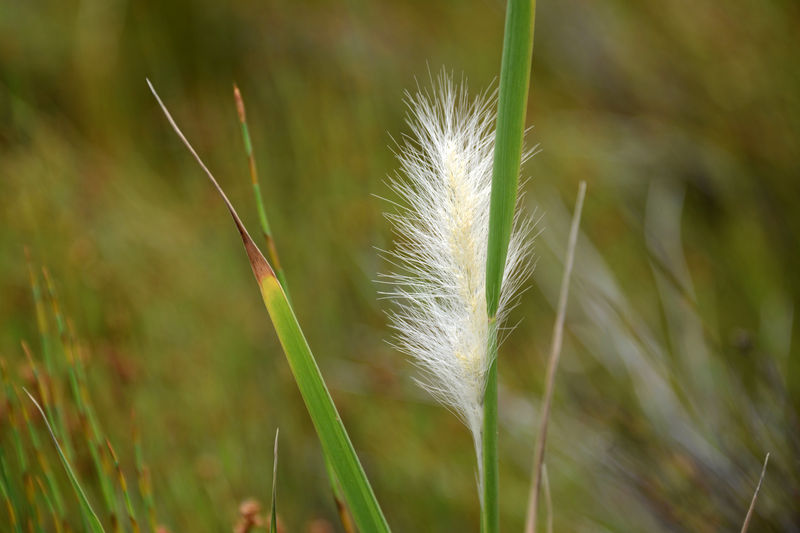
441	223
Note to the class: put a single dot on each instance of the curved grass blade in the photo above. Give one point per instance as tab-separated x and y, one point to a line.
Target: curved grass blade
274	261
331	432
94	521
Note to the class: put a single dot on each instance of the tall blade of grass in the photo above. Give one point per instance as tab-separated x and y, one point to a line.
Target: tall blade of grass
273	518
552	363
94	521
511	107
334	439
274	261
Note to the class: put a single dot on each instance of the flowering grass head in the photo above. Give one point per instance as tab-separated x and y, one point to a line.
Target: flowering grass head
439	258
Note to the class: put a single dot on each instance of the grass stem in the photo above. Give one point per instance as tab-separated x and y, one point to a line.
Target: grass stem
752	507
512	103
552	364
489	501
272	250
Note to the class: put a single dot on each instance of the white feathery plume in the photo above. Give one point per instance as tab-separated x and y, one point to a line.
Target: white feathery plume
442	227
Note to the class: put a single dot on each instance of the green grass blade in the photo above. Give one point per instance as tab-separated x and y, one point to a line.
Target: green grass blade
273	519
338	500
490	516
335	442
511	109
274	261
94	521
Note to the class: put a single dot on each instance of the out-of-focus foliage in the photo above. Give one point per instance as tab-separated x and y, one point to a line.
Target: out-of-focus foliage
679	371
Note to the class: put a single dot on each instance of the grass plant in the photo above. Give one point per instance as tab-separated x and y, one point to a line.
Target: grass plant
677	344
335	442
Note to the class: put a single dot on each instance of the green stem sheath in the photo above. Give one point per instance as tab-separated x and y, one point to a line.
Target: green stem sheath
490	512
511	110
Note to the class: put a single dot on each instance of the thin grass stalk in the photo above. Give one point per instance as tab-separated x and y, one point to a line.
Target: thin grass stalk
334	439
274	261
93	521
511	109
490	519
552	364
548	499
273	514
752	507
272	250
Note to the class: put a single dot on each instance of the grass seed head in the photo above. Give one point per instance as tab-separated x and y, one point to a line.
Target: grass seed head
439	258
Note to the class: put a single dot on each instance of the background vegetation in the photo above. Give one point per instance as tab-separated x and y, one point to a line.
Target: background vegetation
679	371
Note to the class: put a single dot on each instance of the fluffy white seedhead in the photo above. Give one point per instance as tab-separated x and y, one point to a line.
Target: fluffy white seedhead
442	227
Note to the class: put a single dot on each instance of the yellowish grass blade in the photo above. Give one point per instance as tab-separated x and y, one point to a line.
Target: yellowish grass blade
334	439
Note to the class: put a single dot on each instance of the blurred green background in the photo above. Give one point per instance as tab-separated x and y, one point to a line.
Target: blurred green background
679	371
